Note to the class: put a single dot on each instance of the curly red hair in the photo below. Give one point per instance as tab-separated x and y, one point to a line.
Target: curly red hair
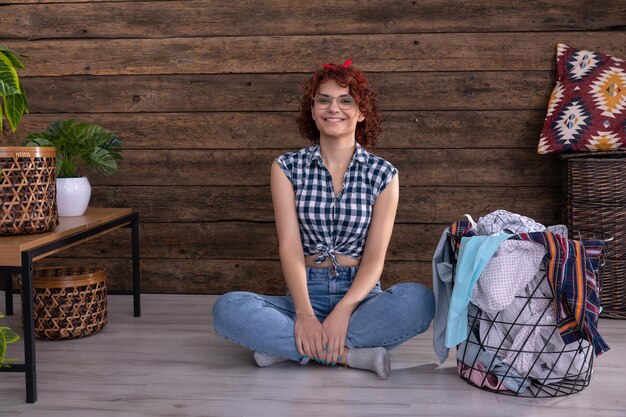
361	89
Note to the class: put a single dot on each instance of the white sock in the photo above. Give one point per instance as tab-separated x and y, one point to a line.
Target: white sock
263	359
371	359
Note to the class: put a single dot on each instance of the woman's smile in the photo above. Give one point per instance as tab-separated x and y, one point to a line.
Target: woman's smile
334	119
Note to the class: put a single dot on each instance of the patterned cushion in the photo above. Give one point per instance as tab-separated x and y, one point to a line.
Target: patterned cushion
587	106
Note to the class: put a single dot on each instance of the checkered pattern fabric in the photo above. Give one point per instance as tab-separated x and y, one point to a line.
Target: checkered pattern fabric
330	224
503	221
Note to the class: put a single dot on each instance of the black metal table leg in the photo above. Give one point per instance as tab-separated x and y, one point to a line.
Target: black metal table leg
29	328
136	270
26	270
8	293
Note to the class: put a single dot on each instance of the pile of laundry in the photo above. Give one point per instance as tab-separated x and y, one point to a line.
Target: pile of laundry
519	301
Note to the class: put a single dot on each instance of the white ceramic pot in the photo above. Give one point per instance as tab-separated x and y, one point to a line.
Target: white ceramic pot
73	196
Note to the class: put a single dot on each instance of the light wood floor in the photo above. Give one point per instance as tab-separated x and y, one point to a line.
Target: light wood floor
170	363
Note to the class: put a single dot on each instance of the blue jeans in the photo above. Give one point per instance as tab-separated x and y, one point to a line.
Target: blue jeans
265	323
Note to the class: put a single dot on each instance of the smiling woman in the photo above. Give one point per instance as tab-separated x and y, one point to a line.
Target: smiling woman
334	111
355	85
335	204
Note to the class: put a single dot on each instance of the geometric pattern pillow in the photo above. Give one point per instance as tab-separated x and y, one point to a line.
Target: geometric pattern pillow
588	104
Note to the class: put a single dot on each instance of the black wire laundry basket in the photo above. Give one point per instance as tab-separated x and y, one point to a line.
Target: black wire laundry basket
534	367
518	351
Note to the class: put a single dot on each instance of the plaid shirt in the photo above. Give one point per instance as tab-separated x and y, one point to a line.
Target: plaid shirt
330	224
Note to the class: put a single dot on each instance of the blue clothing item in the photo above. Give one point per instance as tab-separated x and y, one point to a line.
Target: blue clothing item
470	353
443	265
265	323
335	224
474	255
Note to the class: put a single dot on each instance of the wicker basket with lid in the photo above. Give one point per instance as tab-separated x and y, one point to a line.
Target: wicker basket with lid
69	302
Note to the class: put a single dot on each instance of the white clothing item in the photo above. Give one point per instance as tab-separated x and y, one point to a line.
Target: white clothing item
518	341
552	365
512	267
503	221
472	222
558	229
534	325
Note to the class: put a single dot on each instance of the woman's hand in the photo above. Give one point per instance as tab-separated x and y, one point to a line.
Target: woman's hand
336	329
310	337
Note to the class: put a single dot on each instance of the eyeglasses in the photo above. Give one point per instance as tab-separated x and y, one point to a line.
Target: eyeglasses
323	102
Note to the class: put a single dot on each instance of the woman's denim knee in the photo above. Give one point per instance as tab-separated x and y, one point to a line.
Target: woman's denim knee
392	317
256	322
226	310
419	303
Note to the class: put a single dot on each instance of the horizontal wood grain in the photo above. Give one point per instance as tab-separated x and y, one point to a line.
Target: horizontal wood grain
498	90
189	204
417	167
271	130
205	94
159	19
236	240
522	51
208	276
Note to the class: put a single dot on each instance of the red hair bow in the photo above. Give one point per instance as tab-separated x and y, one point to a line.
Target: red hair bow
342	66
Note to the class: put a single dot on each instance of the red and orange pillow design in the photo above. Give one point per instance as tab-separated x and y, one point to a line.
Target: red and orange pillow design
587	108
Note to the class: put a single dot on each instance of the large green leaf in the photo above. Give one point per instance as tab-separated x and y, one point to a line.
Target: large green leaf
3	347
103	160
15	106
6	336
38	142
9	83
13	56
14	98
9	335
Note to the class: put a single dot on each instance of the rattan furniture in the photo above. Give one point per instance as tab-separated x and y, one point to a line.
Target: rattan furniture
27	190
595	207
70	301
17	254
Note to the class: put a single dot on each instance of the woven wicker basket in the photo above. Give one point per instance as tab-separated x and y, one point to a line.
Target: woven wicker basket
595	200
616	286
27	190
70	302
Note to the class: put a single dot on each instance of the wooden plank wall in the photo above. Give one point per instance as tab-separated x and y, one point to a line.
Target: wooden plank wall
204	94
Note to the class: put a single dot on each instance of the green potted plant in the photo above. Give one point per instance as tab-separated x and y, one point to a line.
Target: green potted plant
7	336
78	145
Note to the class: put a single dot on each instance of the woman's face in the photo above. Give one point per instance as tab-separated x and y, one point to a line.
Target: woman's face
332	112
